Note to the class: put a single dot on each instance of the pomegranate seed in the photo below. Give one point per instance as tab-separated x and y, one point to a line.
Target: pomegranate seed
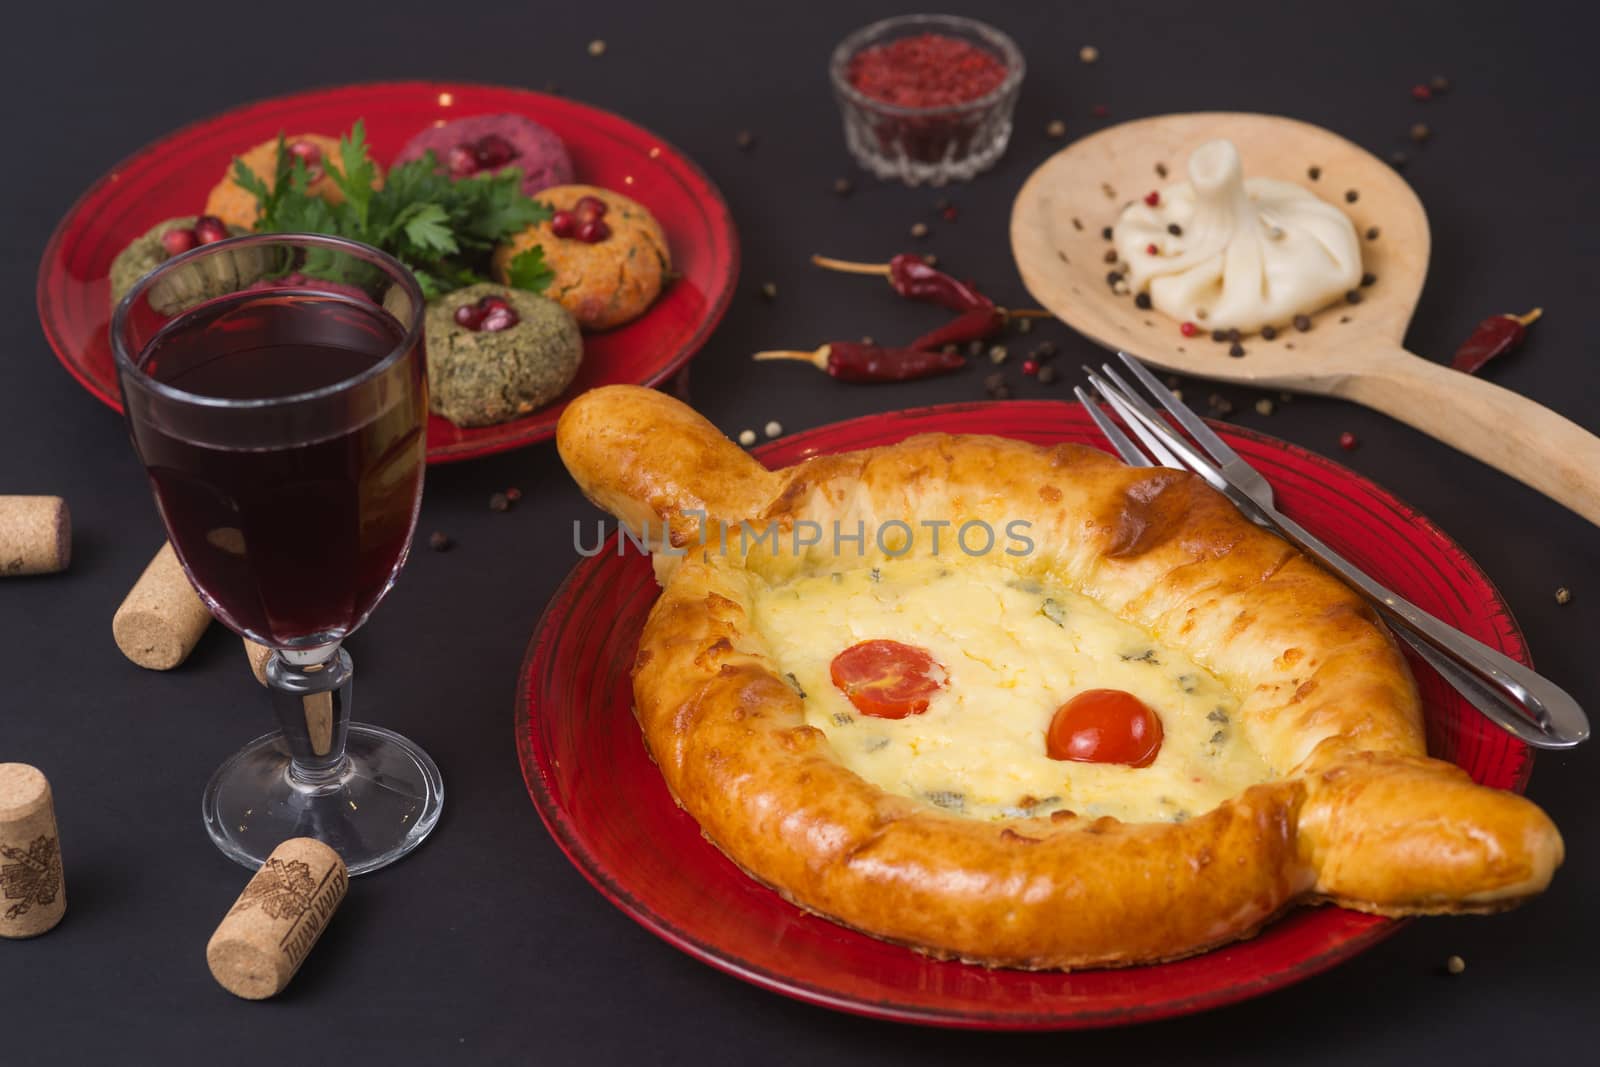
1347	441
461	161
1421	92
1151	249
564	224
590	207
513	494
176	242
493	301
497	319
306	151
470	316
594	231
950	213
1153	197
1188	329
309	154
1101	111
1030	366
492	150
208	228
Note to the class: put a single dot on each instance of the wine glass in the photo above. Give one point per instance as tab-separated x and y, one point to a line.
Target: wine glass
275	391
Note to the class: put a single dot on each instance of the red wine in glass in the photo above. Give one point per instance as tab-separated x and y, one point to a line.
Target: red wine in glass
274	387
292	544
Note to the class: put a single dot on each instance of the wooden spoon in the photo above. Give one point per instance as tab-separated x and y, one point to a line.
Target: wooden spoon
1352	350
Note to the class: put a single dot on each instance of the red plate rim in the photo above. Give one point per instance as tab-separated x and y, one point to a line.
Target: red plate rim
446	453
534	760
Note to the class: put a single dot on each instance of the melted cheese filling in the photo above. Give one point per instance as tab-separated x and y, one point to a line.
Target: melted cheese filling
1013	651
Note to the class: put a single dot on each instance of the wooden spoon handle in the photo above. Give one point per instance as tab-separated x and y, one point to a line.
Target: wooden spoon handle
1506	430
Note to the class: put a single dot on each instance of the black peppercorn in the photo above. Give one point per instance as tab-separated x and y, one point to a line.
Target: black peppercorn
1106	233
1352	195
1314	173
1219	335
1174	229
1353	296
1236	350
1268	333
1302	323
1368	278
1142	301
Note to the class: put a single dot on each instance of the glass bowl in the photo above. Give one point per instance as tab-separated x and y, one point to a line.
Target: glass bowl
927	145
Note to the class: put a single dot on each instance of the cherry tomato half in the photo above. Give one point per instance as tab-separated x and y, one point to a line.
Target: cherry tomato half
1104	726
886	679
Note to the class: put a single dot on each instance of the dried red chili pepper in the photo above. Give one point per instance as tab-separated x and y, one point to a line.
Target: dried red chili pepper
911	276
979	324
852	361
979	317
1493	336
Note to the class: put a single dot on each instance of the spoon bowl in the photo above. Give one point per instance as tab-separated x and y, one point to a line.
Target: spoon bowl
1352	350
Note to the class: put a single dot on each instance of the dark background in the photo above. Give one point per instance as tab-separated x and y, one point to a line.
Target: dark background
485	945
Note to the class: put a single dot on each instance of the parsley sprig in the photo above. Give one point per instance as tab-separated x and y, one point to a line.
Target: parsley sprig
443	230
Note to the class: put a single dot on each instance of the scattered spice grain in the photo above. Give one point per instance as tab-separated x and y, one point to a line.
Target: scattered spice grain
1563	595
1055	128
440	541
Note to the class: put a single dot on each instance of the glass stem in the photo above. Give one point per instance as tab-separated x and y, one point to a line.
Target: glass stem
311	694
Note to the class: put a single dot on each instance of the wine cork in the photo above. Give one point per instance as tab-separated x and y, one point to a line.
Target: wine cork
33	895
162	618
270	929
257	655
35	535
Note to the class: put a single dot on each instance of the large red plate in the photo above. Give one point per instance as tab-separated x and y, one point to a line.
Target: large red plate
604	801
173	176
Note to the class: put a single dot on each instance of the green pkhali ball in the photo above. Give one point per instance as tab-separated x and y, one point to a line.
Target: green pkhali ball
482	377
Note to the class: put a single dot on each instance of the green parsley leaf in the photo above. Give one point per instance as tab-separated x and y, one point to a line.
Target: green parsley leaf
425	226
529	271
443	230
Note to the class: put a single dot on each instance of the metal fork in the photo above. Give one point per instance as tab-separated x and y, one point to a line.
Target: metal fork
1525	704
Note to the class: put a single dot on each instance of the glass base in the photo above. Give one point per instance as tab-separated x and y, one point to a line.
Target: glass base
379	807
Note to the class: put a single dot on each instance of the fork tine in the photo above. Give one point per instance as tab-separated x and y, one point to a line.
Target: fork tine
1122	405
1130	453
1186	417
1153	430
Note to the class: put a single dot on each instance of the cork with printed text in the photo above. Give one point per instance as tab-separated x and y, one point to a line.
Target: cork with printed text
270	929
33	894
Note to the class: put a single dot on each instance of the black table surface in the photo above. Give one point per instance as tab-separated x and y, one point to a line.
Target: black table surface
486	945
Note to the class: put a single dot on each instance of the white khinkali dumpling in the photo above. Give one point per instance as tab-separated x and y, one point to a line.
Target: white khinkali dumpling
1237	254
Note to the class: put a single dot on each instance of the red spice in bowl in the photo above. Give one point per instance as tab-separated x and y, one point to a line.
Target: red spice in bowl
928	70
927	98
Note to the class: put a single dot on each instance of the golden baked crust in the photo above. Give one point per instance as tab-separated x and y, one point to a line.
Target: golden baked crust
606	283
1357	813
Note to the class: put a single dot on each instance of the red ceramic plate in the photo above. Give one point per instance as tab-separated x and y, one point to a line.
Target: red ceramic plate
173	175
604	801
